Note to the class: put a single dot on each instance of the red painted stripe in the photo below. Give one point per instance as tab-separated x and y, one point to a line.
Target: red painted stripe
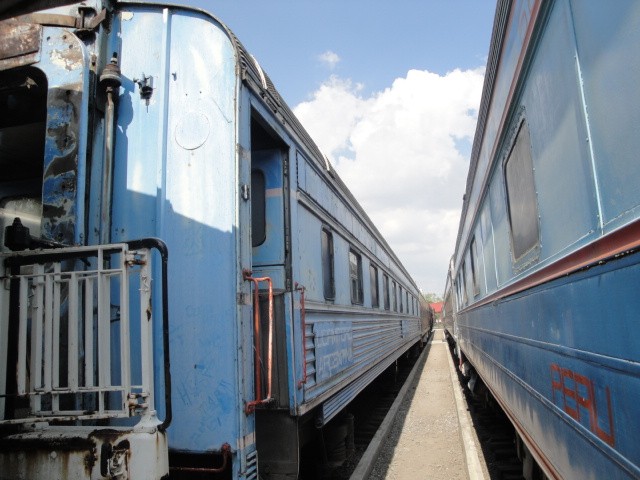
606	247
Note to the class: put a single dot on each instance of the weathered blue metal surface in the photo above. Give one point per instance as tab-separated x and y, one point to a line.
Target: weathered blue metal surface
175	154
194	114
567	378
606	40
554	337
64	59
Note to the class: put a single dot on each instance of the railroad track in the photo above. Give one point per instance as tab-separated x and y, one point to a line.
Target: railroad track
368	410
493	429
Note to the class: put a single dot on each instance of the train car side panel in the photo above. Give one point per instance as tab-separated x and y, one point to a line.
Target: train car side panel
175	147
282	300
569	375
605	39
348	330
549	215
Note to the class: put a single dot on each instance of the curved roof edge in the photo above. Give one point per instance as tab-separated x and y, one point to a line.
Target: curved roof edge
503	8
256	78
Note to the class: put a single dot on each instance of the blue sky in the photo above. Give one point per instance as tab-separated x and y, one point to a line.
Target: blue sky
390	92
377	41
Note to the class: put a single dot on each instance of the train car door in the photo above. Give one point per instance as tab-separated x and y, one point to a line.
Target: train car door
269	186
43	131
43	127
276	430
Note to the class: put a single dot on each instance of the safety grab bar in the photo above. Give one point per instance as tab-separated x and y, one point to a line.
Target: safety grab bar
251	406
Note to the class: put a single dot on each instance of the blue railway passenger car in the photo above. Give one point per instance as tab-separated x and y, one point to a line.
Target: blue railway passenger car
546	266
189	288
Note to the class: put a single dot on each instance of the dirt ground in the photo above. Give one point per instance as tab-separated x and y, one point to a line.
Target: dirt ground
430	446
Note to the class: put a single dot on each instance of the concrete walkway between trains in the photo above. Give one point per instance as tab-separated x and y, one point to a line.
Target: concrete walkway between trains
430	435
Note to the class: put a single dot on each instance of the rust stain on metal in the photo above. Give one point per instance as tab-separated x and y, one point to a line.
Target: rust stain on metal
18	39
62	124
42	442
110	435
90	460
19	44
61	165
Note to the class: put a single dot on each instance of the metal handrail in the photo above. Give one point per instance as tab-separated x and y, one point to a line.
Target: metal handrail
250	407
303	324
41	315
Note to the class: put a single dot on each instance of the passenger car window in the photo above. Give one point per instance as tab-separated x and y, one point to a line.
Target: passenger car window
373	278
395	296
258	208
327	265
385	290
473	250
521	195
464	283
355	275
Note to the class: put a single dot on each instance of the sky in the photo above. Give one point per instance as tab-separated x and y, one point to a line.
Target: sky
390	91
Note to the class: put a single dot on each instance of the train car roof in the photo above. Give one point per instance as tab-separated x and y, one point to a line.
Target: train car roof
253	75
495	49
258	80
262	84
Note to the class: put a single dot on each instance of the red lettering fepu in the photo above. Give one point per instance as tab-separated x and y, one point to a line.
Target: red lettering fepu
578	394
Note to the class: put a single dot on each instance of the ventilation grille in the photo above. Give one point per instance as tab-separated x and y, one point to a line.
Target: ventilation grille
252	466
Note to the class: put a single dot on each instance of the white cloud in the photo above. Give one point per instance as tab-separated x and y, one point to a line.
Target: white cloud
403	152
329	58
333	114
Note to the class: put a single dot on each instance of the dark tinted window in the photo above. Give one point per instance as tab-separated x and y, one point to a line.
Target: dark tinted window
385	291
373	278
355	276
258	208
327	265
464	283
474	266
521	195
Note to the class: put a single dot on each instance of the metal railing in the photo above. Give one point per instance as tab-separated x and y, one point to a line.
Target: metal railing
79	328
257	337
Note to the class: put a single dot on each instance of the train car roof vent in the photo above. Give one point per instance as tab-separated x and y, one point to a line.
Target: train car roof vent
263	79
327	164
